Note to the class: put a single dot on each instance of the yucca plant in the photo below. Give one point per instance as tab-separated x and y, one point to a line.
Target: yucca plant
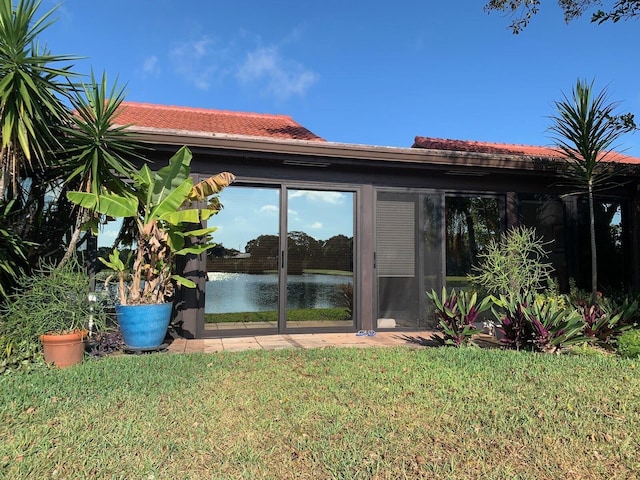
97	152
585	130
33	86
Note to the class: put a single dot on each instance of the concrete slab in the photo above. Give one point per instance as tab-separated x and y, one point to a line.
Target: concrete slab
302	340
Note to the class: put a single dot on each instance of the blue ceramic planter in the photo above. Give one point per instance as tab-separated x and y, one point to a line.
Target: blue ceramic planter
144	326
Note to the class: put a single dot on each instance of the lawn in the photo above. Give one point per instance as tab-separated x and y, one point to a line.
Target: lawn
343	413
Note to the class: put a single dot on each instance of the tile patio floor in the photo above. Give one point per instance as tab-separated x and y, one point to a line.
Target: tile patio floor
301	340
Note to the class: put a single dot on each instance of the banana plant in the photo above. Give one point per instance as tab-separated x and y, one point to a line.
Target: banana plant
168	209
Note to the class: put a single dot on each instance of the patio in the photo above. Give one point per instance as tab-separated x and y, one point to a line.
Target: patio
304	340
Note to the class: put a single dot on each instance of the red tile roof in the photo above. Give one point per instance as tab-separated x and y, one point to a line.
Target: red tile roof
504	149
163	117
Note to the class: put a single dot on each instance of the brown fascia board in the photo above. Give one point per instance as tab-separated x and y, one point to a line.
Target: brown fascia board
441	159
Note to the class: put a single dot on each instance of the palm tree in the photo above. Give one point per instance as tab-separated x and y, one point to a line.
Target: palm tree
97	152
32	89
585	129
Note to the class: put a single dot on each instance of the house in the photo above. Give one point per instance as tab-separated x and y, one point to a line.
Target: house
369	229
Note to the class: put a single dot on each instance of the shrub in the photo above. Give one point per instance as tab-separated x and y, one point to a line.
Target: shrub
605	319
628	344
457	313
19	355
50	300
105	343
538	323
516	264
346	295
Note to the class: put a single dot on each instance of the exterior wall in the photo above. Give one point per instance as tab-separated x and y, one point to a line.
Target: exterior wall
514	186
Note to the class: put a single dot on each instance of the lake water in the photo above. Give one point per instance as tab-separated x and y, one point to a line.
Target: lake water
242	292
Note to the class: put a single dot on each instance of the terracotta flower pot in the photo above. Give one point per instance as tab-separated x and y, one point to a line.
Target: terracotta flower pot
63	350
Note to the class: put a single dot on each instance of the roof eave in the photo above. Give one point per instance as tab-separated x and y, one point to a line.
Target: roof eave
311	148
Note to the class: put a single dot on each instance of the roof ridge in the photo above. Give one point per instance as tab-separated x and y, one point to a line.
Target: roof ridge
182	108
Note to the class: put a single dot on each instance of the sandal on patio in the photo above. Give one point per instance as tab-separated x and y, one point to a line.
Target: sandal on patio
371	333
361	333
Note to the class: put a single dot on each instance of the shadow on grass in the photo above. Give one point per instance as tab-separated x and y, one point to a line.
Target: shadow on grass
436	340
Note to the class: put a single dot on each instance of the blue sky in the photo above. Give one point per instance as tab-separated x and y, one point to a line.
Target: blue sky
367	72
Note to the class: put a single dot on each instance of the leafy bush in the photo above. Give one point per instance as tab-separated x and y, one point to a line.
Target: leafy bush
628	344
538	323
12	252
516	264
457	313
605	319
22	355
105	343
51	300
346	295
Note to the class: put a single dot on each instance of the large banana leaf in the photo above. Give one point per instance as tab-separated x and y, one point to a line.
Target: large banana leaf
211	186
106	203
191	215
170	177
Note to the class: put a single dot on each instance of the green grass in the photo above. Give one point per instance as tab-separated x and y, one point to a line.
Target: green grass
326	413
299	315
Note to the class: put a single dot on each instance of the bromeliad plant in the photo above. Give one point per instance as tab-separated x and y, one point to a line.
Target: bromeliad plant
457	314
168	211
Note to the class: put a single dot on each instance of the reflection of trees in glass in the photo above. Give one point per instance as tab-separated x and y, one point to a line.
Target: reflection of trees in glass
304	251
264	246
431	217
471	222
609	243
337	253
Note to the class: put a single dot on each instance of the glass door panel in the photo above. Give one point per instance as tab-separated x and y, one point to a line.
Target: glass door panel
319	267
408	256
242	269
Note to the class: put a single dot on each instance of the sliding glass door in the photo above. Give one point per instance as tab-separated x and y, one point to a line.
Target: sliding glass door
409	256
319	259
242	288
284	261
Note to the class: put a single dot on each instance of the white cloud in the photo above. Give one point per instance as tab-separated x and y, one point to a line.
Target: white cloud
150	65
201	61
333	198
283	78
193	61
269	209
316	226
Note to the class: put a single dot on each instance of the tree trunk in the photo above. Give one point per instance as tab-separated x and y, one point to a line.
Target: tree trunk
71	248
592	234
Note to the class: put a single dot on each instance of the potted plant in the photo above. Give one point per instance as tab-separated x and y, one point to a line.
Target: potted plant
52	305
167	210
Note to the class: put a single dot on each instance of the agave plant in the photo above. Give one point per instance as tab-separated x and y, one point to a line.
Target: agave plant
168	224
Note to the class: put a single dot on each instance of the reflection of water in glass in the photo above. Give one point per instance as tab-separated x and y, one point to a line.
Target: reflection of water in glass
241	292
